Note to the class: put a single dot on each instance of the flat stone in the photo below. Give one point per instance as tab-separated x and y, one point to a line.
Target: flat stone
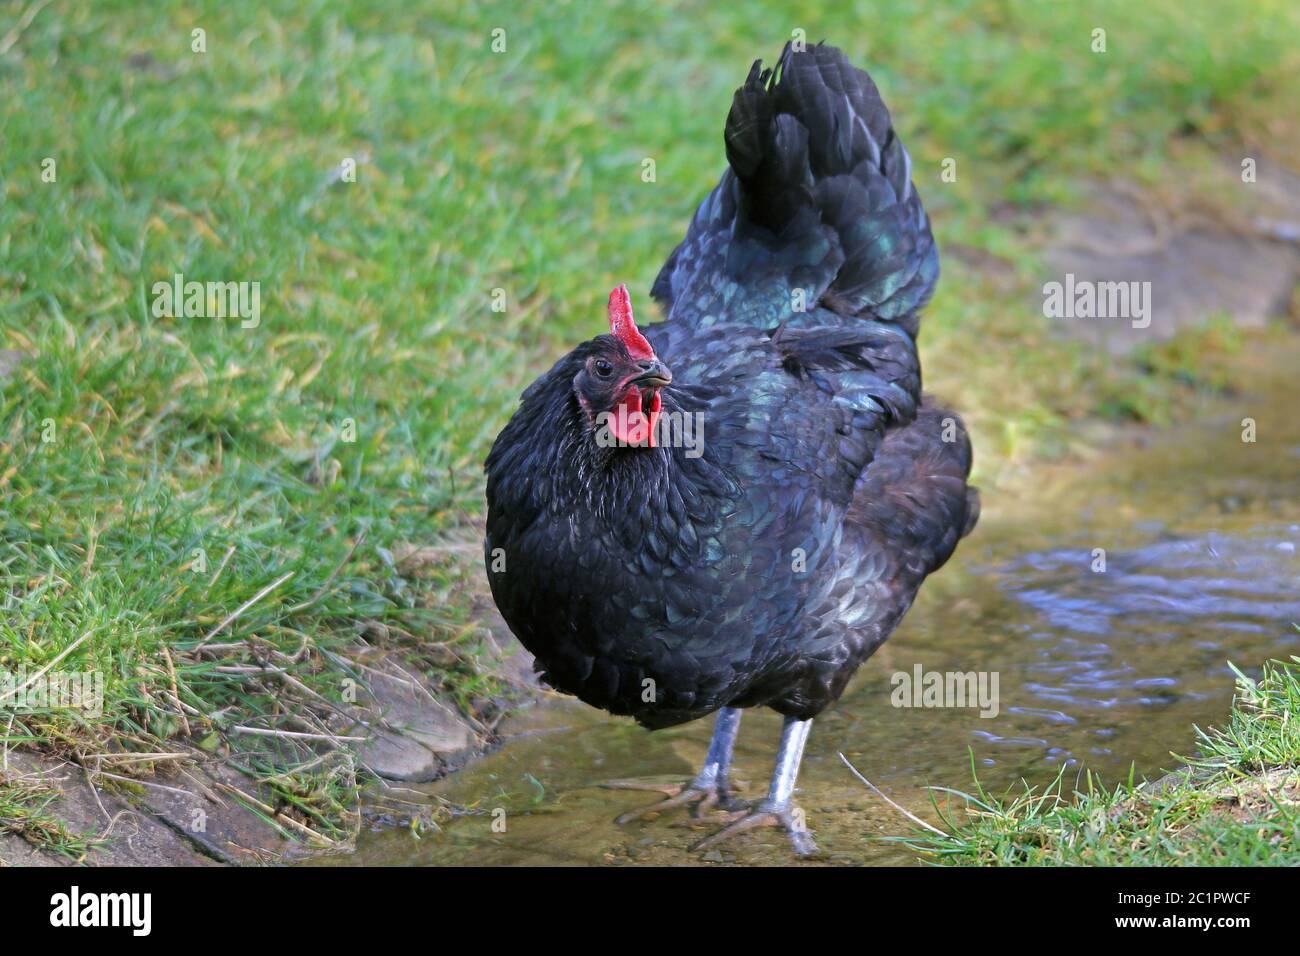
218	826
134	836
184	819
1196	269
15	851
397	757
514	664
423	737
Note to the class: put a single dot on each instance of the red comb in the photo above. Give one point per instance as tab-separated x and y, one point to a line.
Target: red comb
624	328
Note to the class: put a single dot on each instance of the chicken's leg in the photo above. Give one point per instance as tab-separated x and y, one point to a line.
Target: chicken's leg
777	809
711	786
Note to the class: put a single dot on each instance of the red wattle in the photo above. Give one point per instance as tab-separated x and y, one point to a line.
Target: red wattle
630	425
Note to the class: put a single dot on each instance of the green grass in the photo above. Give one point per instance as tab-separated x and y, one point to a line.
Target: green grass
1236	803
157	474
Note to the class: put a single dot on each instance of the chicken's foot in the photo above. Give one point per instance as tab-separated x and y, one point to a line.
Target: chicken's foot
711	789
777	809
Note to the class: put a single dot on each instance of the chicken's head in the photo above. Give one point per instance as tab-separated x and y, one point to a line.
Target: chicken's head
618	386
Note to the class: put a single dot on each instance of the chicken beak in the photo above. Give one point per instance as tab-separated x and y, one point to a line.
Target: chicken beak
654	374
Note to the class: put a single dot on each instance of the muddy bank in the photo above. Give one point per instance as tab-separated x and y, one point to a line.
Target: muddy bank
201	806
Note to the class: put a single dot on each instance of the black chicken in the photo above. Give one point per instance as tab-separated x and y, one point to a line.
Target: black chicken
656	581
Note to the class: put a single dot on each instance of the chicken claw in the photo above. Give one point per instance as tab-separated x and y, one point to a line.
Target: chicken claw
766	814
700	797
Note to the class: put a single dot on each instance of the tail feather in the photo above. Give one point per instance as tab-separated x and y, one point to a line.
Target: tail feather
816	209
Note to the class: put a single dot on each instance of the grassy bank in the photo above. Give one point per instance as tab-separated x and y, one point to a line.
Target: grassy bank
213	515
1235	803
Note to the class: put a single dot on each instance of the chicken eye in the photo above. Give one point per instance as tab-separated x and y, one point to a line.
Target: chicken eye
603	368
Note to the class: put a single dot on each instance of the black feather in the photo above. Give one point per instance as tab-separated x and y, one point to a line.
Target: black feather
817	198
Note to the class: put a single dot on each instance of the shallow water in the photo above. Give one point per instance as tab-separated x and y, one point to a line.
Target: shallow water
1103	670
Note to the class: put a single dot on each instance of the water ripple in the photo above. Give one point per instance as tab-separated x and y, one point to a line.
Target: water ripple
1156	626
